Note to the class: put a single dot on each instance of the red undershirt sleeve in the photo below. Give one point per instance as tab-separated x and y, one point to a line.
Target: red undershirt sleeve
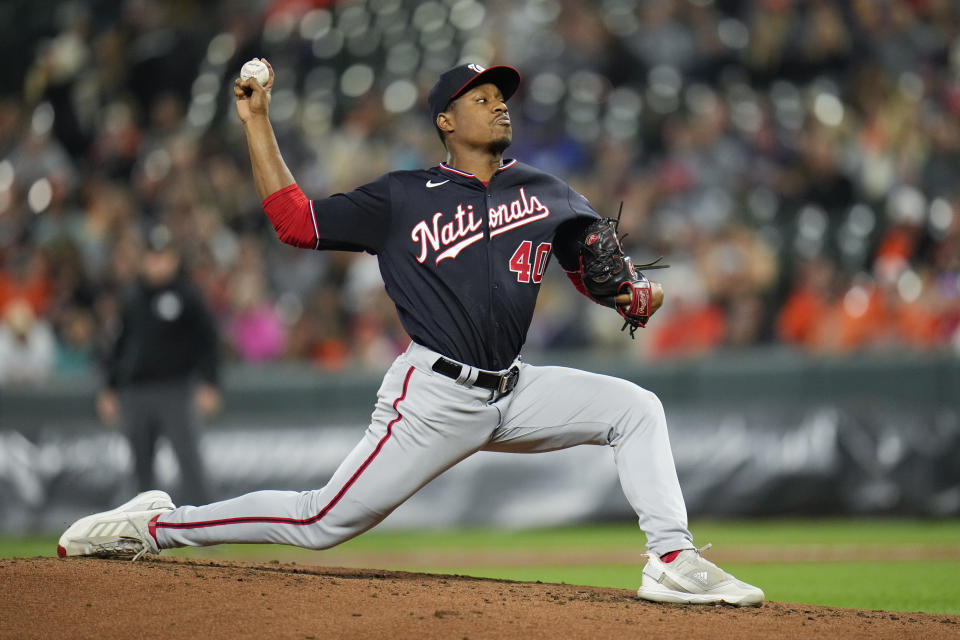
292	217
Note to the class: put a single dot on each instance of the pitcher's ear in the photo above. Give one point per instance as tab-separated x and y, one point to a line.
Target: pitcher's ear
444	122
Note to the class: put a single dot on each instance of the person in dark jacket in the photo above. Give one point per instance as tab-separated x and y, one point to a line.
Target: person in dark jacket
162	371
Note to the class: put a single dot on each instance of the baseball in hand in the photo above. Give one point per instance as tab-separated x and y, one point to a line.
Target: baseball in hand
255	69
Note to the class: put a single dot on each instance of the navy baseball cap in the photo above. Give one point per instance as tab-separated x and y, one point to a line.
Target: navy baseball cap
455	82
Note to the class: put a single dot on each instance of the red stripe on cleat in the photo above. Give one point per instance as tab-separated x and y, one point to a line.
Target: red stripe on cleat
61	551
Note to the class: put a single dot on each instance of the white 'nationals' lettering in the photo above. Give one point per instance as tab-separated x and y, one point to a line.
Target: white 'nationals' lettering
454	236
516	213
448	239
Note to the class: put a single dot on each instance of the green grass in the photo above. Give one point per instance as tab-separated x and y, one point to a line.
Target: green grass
930	584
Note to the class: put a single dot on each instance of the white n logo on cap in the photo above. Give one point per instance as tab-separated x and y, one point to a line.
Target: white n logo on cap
476	67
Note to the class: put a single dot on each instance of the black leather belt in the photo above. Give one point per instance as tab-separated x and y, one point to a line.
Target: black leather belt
502	382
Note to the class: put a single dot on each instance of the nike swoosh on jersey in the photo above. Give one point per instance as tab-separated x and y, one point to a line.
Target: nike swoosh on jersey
431	184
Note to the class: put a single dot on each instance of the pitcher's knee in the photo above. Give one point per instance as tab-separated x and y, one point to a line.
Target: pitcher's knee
632	408
642	410
649	403
634	399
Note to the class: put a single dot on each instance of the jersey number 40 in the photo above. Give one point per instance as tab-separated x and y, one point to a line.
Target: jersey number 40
529	265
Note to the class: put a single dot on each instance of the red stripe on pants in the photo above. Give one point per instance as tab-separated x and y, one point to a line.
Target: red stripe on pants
315	518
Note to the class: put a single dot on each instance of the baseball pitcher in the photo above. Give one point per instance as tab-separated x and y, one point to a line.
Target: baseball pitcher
462	248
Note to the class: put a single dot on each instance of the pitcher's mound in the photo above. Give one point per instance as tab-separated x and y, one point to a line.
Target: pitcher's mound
186	598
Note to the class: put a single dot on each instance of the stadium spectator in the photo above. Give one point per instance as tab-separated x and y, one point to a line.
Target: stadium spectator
817	133
163	366
27	346
255	328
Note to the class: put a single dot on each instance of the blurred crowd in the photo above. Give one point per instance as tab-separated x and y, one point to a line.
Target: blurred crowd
794	162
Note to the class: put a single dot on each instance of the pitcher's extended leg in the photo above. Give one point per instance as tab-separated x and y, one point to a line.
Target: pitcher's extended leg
410	441
556	407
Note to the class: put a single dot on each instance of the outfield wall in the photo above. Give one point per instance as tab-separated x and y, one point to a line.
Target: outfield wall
758	433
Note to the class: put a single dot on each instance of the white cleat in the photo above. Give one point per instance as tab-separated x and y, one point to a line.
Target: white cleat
692	579
119	533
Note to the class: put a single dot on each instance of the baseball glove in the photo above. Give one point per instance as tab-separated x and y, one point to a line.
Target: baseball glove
607	273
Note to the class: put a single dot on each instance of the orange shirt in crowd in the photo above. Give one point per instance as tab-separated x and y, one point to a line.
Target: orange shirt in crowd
799	320
690	331
36	291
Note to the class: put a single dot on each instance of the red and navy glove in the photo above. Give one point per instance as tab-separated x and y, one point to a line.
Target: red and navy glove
607	273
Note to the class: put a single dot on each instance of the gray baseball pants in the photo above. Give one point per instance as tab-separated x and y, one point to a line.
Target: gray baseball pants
424	423
153	409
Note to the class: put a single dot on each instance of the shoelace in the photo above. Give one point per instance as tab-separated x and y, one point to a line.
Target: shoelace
139	547
144	549
704	560
123	547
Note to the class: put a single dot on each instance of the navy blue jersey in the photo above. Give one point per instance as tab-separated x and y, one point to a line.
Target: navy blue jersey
462	261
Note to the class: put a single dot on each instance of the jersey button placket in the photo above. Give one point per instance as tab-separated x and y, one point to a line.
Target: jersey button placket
495	286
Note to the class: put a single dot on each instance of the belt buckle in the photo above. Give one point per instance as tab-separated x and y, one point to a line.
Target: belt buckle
509	380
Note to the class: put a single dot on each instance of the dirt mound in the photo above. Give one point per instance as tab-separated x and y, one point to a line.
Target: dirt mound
180	598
